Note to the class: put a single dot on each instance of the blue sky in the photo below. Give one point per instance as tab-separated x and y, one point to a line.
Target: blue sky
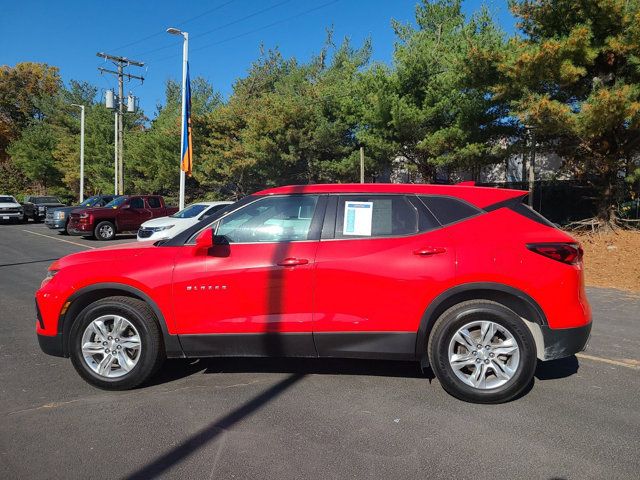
225	35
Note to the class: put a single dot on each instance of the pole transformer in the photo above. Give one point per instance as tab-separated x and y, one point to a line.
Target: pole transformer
121	63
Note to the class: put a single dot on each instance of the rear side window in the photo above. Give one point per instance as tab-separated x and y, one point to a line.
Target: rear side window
518	206
136	202
448	209
154	202
377	216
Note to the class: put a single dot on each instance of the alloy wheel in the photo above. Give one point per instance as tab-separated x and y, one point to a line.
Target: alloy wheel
484	354
111	346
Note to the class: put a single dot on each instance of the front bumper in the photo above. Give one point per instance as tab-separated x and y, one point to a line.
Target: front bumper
77	228
11	216
564	342
51	345
55	224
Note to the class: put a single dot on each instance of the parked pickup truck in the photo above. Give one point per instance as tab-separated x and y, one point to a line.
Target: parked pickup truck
58	218
123	214
35	207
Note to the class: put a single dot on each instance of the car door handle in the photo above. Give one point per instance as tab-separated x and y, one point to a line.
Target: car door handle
292	262
427	251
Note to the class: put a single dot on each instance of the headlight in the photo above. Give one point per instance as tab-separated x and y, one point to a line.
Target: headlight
59	215
47	279
160	229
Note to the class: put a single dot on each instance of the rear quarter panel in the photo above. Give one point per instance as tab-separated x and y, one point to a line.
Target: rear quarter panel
492	248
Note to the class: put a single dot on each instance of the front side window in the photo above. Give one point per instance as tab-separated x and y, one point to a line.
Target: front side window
270	219
116	202
375	216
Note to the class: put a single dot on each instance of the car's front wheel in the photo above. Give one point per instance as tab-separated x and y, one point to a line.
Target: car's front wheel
115	343
105	231
482	352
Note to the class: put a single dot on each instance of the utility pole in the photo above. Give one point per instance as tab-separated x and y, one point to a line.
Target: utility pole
532	163
361	164
81	150
121	63
115	154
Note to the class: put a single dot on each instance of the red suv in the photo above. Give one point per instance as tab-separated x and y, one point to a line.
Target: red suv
465	279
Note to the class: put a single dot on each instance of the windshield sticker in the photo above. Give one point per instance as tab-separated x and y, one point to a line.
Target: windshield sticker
357	218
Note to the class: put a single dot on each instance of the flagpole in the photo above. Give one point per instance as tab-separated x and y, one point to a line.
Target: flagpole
185	61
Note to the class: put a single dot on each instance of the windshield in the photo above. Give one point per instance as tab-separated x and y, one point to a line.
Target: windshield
191	211
7	200
90	202
116	202
46	200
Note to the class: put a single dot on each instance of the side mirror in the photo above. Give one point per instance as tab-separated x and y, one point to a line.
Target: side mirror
204	241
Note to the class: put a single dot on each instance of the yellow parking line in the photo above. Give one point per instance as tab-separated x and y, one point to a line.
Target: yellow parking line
610	361
58	239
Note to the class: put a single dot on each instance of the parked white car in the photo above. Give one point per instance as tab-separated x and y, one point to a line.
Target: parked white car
10	209
168	227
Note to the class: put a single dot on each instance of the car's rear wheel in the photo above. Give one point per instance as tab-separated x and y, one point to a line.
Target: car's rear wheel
482	352
116	344
105	231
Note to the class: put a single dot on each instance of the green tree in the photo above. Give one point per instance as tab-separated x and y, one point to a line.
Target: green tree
434	108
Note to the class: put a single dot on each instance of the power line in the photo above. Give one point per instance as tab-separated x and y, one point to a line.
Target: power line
153	35
221	27
255	30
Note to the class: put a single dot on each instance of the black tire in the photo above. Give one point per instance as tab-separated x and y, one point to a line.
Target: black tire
141	316
66	229
104	231
459	315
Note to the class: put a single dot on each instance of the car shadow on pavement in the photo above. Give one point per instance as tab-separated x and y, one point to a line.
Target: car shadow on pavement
555	369
176	369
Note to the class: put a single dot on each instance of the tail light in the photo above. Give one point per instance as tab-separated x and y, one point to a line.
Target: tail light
569	253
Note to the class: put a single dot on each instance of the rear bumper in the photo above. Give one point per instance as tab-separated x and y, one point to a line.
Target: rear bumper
564	342
51	345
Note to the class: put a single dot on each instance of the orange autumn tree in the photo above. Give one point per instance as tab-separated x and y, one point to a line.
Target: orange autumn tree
574	76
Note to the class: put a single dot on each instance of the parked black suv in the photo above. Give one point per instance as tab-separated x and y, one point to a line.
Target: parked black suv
58	218
35	207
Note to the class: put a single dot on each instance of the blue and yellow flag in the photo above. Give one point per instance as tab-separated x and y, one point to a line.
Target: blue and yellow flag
186	163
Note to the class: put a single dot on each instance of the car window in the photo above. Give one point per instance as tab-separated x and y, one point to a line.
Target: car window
136	202
214	209
46	200
104	201
376	216
116	202
154	202
270	219
448	209
7	200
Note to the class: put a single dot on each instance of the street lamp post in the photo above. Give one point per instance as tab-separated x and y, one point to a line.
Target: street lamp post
185	59
81	150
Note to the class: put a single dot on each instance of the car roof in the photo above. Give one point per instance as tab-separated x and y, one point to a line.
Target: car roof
220	202
478	196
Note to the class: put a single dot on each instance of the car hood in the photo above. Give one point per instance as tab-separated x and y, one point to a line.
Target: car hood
50	204
162	221
93	210
111	253
9	205
68	209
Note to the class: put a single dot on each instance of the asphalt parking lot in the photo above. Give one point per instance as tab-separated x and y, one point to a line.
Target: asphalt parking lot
272	418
